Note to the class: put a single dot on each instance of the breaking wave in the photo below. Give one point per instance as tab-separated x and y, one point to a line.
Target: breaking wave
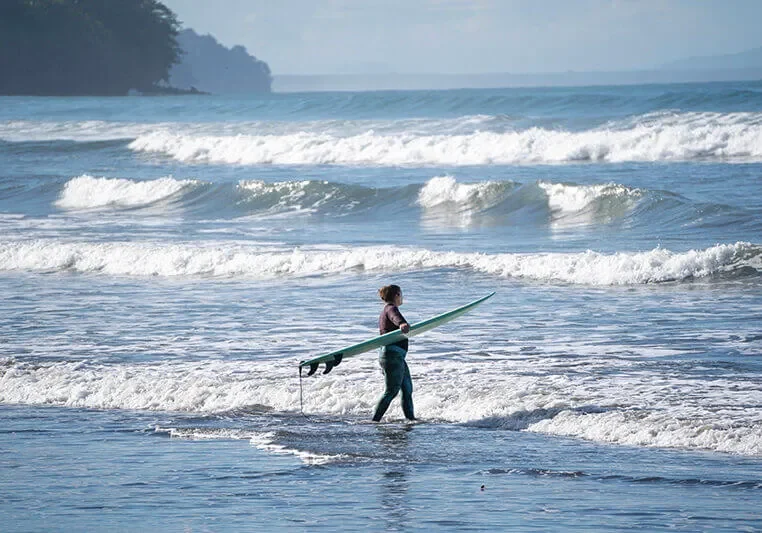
568	198
88	192
446	191
463	140
232	261
441	194
712	414
656	137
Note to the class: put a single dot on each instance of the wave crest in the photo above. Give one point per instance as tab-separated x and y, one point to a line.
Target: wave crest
445	191
588	268
656	137
440	199
565	198
88	192
309	196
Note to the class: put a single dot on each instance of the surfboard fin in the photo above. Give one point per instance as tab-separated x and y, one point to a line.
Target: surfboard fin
313	368
330	364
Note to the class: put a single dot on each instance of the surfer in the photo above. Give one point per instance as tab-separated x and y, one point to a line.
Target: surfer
392	357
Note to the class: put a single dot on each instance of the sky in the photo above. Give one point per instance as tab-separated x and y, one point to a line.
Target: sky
474	36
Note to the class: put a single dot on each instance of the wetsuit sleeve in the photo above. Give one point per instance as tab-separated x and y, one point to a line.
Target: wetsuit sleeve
395	316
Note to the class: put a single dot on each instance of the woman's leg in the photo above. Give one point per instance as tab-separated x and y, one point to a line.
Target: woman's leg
407	394
392	363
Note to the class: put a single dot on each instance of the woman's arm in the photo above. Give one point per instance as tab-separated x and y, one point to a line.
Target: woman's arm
396	317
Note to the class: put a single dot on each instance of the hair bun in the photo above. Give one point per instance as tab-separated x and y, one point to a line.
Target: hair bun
389	292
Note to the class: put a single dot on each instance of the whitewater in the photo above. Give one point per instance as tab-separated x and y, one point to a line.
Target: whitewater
166	262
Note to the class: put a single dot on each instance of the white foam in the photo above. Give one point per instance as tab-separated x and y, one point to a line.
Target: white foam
678	137
233	260
267	442
264	441
622	407
78	131
152	387
103	130
88	192
204	433
574	198
460	141
288	195
288	187
656	429
444	190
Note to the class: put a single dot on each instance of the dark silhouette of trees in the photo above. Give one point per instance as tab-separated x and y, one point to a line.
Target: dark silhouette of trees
93	47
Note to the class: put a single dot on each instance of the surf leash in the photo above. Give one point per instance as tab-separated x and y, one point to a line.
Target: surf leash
301	395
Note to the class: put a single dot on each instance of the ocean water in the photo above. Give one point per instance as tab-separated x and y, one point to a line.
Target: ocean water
166	262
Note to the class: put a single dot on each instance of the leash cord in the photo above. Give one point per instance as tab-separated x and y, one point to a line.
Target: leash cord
301	393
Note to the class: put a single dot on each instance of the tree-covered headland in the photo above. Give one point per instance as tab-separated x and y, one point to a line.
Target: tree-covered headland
209	66
85	47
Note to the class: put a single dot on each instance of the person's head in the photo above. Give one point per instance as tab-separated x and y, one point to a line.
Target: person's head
391	294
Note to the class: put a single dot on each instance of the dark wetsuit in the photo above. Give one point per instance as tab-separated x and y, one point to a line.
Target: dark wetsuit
390	320
392	361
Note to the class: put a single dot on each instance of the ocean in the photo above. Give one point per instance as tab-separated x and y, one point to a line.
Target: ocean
165	263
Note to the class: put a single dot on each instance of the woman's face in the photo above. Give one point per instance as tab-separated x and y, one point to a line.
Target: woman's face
398	299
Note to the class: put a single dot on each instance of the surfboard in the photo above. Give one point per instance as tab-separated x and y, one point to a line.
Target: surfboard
332	359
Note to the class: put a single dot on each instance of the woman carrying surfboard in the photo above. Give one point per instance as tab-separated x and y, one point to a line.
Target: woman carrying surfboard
392	357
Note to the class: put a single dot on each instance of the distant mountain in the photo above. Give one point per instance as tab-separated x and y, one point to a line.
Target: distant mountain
744	66
208	66
385	82
751	59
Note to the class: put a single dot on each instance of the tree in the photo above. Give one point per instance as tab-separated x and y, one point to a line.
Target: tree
66	47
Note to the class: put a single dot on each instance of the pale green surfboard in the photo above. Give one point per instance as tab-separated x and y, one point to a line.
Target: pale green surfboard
332	359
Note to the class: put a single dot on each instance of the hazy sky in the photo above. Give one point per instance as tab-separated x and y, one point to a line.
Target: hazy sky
470	36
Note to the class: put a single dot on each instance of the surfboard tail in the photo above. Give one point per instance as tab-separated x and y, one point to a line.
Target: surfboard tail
328	364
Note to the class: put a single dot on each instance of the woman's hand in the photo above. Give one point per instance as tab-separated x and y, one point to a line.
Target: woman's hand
404	327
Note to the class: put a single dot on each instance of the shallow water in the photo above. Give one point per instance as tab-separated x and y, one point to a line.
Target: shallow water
166	262
114	469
